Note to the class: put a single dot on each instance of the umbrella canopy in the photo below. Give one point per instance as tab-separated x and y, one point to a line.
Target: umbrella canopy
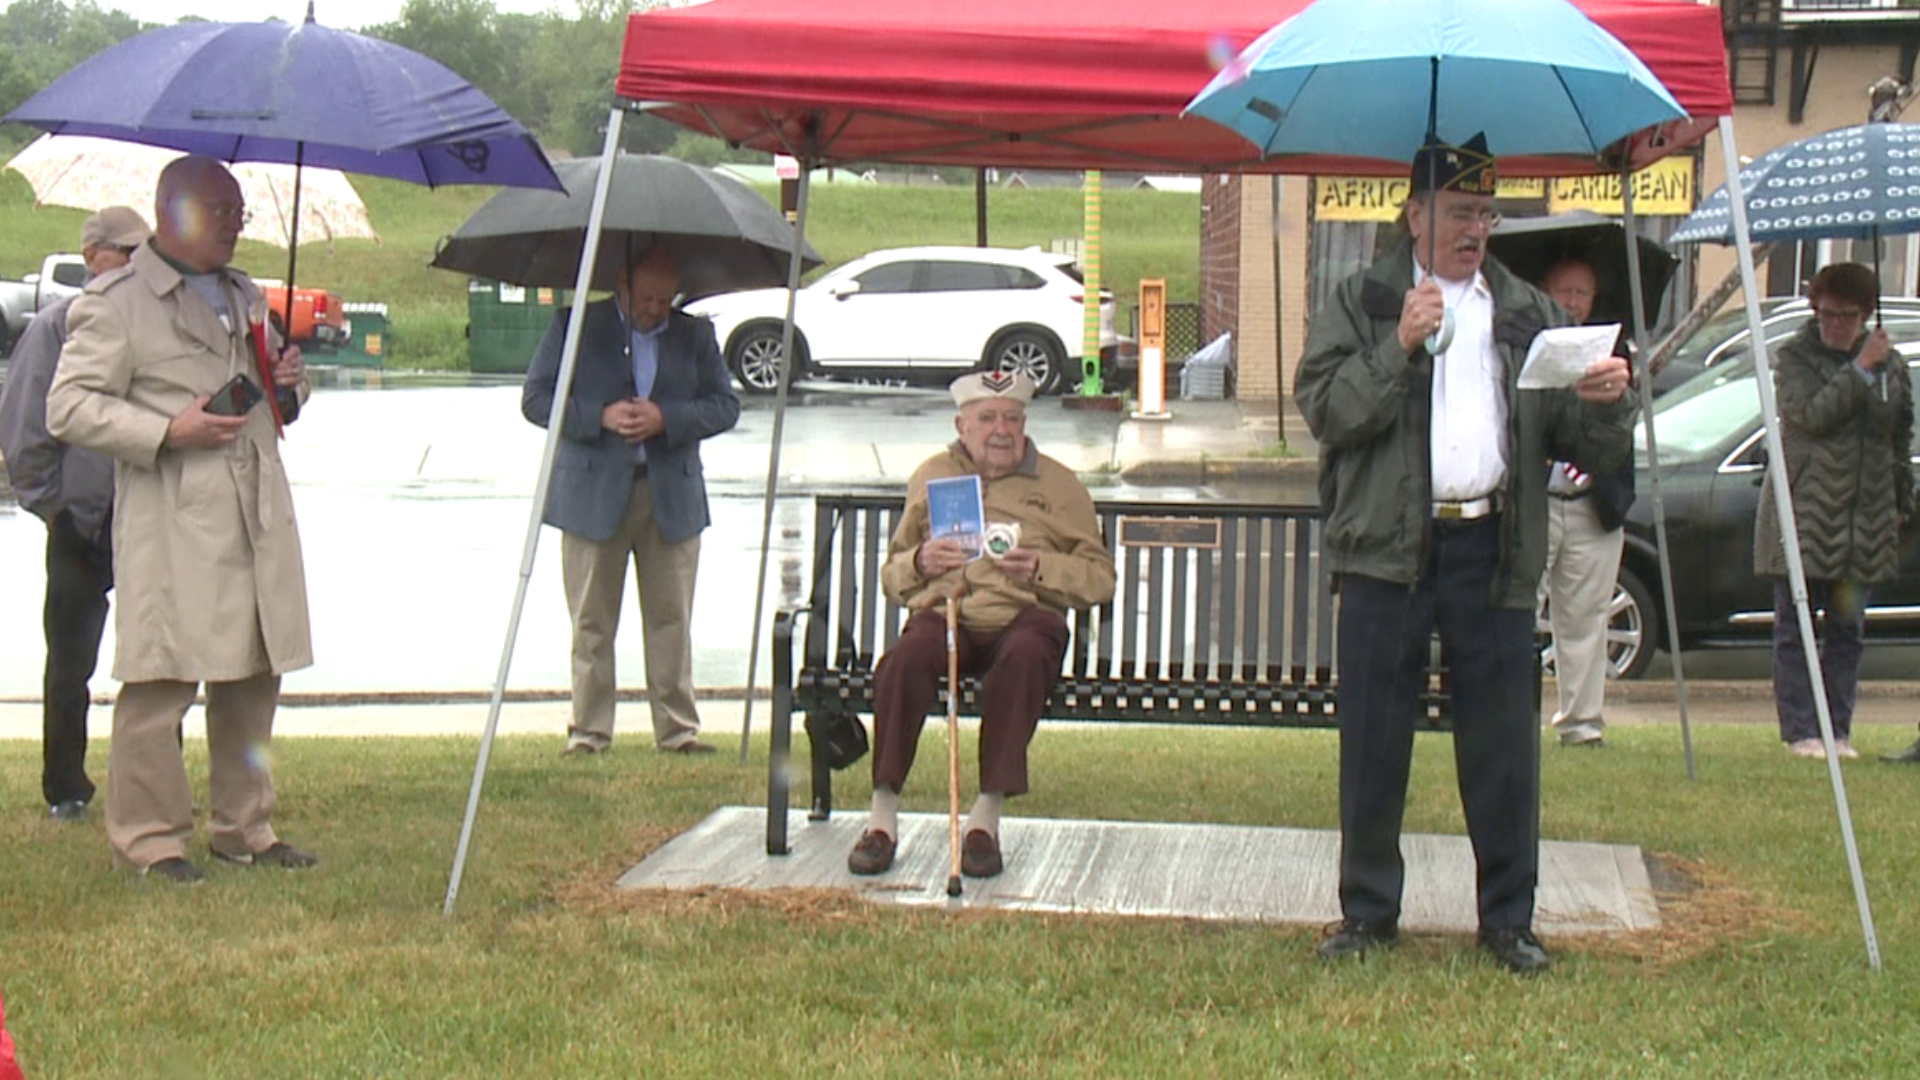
1372	78
723	235
296	93
1530	247
1857	182
88	173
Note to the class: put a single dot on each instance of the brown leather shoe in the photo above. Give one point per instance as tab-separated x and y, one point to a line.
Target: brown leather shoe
980	854
872	855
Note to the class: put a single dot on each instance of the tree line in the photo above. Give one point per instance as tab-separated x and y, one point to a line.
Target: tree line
554	72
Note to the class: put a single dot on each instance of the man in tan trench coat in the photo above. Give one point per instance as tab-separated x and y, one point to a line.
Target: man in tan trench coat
207	565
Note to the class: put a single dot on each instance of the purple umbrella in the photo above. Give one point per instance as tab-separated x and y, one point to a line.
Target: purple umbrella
295	94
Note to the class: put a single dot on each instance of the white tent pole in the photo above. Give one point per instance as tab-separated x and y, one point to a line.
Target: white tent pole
1661	549
773	451
1783	504
556	418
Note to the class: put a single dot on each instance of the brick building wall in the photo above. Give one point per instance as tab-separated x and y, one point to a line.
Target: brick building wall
1220	246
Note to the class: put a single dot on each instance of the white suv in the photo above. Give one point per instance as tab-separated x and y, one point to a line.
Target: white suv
922	314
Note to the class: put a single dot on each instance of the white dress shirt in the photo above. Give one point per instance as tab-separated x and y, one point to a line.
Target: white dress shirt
1468	432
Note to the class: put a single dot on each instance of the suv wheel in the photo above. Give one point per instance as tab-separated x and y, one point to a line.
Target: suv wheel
1630	630
755	359
1031	353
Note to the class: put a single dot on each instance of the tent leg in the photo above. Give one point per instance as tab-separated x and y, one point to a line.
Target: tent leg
773	454
564	383
1783	503
1653	470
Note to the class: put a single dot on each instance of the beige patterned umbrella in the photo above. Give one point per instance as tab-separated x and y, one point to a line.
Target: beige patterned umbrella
88	173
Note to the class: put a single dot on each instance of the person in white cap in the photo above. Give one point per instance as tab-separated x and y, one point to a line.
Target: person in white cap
71	489
1048	557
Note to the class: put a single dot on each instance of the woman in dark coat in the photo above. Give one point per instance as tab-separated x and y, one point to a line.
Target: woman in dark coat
1846	425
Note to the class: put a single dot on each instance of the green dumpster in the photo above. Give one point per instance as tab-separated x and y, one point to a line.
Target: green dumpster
505	323
369	337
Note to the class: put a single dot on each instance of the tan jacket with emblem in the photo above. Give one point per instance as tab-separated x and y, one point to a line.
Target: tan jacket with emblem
1056	518
208	579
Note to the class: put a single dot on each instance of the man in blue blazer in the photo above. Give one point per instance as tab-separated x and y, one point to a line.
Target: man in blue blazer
648	385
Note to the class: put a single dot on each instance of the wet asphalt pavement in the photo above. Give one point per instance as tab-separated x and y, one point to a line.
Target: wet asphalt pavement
414	494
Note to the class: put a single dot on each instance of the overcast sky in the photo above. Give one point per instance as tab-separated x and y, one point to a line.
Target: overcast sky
340	14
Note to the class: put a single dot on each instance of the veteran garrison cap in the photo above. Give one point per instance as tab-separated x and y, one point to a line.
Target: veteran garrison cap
1467	169
981	385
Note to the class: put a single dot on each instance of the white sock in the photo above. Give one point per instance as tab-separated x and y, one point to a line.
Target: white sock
985	814
885	816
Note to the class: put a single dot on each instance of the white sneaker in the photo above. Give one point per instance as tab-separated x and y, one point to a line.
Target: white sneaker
1843	749
1808	748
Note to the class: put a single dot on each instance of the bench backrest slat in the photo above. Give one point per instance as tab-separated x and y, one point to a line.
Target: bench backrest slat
1253	606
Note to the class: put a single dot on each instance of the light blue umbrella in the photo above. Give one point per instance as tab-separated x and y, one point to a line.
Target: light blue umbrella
1853	183
1372	79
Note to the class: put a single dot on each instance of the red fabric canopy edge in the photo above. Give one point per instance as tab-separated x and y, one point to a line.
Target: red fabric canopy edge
1053	84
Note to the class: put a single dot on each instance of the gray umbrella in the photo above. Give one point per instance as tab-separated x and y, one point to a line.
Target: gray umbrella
721	232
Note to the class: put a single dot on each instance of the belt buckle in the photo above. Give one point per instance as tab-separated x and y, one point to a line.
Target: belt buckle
1448	511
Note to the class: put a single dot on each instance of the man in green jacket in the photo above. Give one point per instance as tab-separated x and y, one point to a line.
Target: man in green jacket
1433	478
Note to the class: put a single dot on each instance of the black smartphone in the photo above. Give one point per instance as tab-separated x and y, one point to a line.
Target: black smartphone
235	398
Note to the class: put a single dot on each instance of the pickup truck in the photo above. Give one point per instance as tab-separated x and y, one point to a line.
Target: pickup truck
317	316
60	275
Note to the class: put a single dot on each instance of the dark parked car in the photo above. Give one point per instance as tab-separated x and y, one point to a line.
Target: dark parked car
1724	337
1712	457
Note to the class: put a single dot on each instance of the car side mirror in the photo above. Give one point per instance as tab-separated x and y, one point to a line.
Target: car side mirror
844	289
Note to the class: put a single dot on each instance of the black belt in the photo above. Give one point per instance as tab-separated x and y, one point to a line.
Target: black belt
1569	496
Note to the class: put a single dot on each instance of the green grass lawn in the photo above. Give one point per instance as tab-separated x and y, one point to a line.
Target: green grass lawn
1147	234
350	971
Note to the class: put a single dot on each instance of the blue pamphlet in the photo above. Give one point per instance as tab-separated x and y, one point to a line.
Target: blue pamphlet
954	509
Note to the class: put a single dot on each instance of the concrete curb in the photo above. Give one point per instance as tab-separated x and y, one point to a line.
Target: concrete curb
1193	472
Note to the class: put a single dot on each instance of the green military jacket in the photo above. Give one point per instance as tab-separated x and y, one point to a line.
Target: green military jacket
1368	403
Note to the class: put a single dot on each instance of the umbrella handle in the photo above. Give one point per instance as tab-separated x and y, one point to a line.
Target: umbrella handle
1438	341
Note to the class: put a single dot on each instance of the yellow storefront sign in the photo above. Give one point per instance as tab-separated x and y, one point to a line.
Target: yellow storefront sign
1374	198
1665	187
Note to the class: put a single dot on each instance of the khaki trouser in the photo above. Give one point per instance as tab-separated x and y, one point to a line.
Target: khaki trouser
1583	562
595	577
149	804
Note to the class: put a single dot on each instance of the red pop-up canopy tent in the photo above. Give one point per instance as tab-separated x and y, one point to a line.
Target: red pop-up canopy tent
1078	84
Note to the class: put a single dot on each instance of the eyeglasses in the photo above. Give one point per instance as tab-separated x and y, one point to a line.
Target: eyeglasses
1839	315
229	212
1464	216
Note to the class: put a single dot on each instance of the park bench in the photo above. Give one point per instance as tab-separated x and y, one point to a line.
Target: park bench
1222	615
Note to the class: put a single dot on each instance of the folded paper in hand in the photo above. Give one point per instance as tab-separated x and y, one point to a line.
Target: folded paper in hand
1561	355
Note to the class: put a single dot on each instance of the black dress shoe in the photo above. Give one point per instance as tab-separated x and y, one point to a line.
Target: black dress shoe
872	855
1516	949
1356	937
176	870
68	811
280	854
1909	756
980	854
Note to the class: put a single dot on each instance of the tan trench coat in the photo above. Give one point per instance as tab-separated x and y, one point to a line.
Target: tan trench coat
208	577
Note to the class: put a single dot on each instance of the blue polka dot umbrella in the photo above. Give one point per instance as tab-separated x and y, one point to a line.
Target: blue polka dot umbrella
1860	183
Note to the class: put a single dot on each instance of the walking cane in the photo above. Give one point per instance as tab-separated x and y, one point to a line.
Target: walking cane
953	743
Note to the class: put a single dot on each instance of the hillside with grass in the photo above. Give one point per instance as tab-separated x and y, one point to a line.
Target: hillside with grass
1147	234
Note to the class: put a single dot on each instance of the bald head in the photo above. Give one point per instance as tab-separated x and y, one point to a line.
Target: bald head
198	213
648	286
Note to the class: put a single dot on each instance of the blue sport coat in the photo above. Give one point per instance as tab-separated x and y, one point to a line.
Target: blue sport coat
593	468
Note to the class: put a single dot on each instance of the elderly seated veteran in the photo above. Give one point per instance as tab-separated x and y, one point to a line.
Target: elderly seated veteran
1012	624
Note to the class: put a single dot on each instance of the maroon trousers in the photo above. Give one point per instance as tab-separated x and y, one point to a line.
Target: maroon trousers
1016	666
